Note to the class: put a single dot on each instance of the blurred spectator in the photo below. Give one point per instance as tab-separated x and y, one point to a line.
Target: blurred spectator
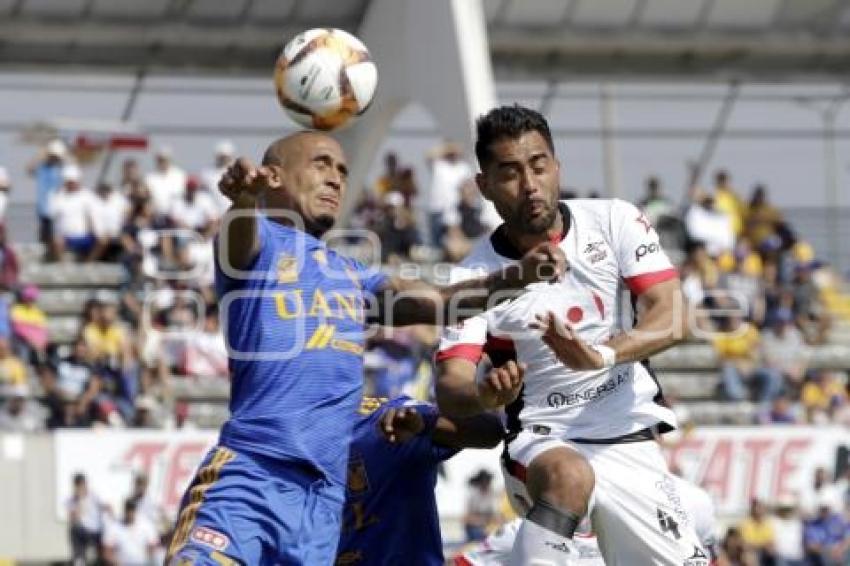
29	326
166	182
448	173
826	538
743	281
9	264
72	389
811	315
225	153
86	517
194	210
727	201
735	552
147	412
781	412
757	532
5	187
737	348
397	232
820	492
388	181
47	170
705	224
109	213
407	186
822	393
654	204
105	337
784	350
481	506
18	413
130	542
12	370
788	531
471	210
762	218
205	353
132	180
71	210
147	508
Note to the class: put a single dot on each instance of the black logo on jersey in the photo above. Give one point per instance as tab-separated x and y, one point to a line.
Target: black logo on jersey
560	546
646	249
596	251
557	399
697	559
668	525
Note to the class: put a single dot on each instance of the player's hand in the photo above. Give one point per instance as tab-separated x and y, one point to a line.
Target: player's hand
544	262
501	385
565	343
243	182
401	424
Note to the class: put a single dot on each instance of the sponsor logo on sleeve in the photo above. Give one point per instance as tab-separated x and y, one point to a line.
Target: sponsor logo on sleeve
642	220
646	249
209	537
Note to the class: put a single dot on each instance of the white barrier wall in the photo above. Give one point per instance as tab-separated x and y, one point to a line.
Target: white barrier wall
732	463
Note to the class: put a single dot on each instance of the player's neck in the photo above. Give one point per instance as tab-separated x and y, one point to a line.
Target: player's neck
523	242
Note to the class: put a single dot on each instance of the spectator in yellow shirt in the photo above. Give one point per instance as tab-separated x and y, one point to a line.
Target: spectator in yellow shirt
726	200
12	370
757	532
738	351
105	337
821	394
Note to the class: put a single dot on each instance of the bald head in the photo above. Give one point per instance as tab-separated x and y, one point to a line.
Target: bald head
313	172
293	145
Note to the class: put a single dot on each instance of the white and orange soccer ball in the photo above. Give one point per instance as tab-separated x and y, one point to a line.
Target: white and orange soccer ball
325	78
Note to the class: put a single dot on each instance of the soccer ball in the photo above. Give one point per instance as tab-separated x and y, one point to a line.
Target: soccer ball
325	78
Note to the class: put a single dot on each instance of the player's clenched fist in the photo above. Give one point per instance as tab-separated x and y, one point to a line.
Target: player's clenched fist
501	385
544	262
401	424
243	182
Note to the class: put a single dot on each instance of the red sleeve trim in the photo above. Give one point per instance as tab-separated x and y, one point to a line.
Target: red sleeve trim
471	352
640	283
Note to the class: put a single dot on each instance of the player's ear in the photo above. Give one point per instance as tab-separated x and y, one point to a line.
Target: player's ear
481	181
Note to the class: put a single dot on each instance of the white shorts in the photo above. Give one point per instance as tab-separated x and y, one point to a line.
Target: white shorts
636	511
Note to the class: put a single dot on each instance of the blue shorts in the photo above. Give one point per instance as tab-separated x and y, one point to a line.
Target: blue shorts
250	510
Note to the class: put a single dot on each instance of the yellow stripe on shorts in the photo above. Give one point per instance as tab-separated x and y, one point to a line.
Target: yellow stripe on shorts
207	476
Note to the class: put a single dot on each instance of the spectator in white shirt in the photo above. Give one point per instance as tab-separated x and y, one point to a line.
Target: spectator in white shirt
5	187
166	182
131	542
710	226
71	210
195	210
18	414
225	153
109	213
449	171
86	515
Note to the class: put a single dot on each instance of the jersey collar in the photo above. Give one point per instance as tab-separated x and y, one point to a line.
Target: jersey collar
503	246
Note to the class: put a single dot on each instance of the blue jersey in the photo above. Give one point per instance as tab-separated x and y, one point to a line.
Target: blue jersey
294	324
390	512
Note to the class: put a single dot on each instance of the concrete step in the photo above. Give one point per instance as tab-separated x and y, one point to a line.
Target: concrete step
64	275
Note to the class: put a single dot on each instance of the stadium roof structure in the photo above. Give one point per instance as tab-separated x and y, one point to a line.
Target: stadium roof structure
554	38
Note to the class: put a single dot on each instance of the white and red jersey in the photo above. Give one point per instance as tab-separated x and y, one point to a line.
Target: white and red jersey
614	255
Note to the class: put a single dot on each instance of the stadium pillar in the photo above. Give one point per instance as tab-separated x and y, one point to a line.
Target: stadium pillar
434	53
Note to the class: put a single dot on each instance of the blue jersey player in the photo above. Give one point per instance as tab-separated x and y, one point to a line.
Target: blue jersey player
272	490
390	512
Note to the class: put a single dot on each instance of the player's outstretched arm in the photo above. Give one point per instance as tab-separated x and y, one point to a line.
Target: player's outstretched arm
403	302
460	395
399	424
243	183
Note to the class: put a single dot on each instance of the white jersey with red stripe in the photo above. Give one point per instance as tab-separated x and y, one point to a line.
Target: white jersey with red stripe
613	254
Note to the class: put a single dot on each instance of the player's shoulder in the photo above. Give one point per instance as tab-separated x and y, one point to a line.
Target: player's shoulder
604	209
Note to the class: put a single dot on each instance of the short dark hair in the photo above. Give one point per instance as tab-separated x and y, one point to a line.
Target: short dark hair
508	122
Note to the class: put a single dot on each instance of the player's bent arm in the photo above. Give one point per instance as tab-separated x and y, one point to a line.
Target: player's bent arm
662	323
480	431
404	302
241	233
457	395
